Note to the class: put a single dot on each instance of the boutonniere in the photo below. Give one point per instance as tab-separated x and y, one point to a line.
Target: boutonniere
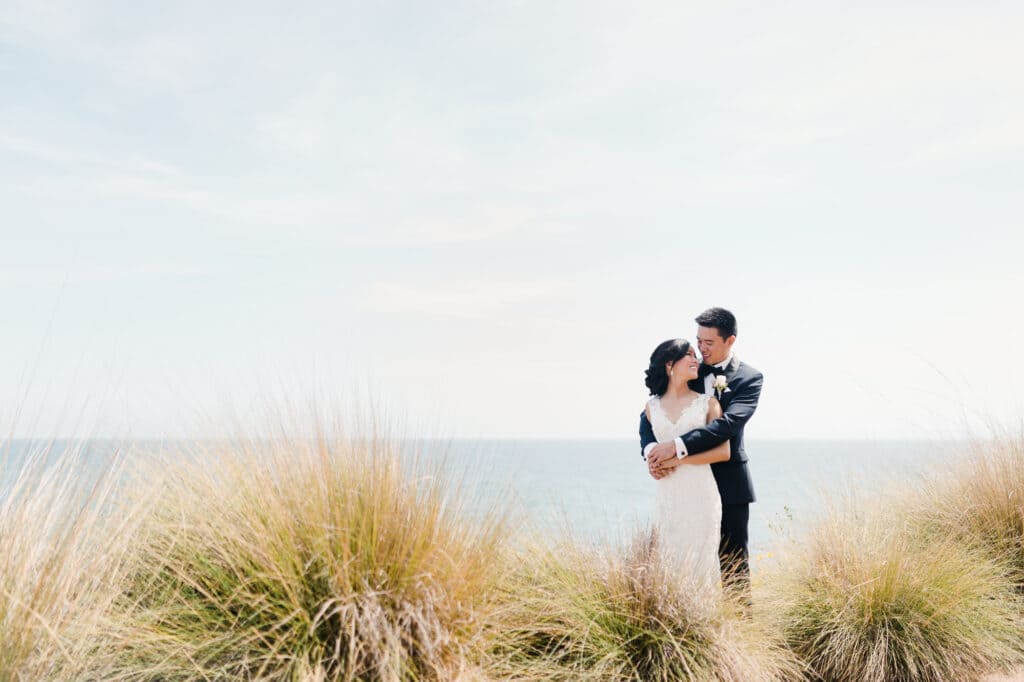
721	385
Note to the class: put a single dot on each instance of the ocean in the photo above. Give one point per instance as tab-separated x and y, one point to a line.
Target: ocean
600	489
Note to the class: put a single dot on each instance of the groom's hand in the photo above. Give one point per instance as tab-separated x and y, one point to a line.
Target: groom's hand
661	452
660	459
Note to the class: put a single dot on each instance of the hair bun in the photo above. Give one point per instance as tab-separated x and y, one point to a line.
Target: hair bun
655	377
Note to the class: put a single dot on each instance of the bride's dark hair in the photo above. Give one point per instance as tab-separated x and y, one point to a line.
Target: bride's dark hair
666	352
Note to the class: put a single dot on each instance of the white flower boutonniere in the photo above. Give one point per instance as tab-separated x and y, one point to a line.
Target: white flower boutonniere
721	385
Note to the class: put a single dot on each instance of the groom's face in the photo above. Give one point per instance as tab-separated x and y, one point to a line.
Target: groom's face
713	348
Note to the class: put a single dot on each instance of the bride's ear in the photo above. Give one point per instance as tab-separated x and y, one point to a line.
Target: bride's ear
668	368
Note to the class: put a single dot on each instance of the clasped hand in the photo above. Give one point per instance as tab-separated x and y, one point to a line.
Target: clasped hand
662	460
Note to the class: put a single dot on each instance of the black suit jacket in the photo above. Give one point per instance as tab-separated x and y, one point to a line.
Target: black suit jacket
738	405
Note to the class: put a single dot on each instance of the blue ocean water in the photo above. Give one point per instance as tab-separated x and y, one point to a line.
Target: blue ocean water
600	489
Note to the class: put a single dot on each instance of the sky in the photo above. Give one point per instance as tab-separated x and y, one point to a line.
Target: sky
486	215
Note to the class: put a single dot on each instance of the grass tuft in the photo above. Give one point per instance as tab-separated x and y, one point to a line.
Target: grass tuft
56	577
307	560
869	600
582	614
980	501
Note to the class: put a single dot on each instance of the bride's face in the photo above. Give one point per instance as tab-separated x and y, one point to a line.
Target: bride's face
686	366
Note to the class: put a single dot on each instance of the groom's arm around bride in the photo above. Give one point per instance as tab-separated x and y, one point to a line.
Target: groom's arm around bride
746	390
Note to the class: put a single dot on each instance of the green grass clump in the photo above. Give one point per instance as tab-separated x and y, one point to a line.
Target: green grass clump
306	560
581	614
871	600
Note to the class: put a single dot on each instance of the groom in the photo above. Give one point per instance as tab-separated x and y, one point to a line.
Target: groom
737	386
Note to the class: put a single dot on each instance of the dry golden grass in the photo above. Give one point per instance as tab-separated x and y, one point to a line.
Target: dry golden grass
306	559
316	559
979	501
576	613
867	598
60	547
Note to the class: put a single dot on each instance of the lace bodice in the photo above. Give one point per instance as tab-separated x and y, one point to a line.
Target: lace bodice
693	416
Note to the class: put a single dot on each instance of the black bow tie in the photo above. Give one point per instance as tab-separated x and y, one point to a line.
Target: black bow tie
709	369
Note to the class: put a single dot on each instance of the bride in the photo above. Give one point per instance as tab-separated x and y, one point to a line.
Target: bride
687	506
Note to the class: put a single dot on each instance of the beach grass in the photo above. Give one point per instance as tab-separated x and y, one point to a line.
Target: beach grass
306	559
585	613
323	557
979	501
867	597
61	543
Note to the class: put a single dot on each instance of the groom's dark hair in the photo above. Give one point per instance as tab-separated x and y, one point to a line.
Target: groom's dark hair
719	318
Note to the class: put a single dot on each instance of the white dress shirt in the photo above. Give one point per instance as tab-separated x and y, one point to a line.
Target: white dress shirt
709	382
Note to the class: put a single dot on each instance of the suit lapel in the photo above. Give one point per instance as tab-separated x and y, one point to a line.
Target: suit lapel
732	367
730	372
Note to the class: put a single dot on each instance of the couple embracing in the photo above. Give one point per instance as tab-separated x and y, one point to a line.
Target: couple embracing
691	435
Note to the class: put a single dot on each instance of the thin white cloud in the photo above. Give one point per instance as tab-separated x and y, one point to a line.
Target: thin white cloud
987	141
300	211
480	298
76	159
164	60
508	222
79	274
304	125
35	21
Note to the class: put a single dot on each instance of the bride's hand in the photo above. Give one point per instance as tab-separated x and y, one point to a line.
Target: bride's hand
655	470
662	468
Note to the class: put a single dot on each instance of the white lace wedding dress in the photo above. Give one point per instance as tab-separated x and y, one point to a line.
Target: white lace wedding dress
687	506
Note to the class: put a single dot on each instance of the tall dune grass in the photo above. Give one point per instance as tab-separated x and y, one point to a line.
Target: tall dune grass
577	613
324	558
60	546
979	501
307	559
868	599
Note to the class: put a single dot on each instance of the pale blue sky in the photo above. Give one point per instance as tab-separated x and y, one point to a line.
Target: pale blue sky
492	212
